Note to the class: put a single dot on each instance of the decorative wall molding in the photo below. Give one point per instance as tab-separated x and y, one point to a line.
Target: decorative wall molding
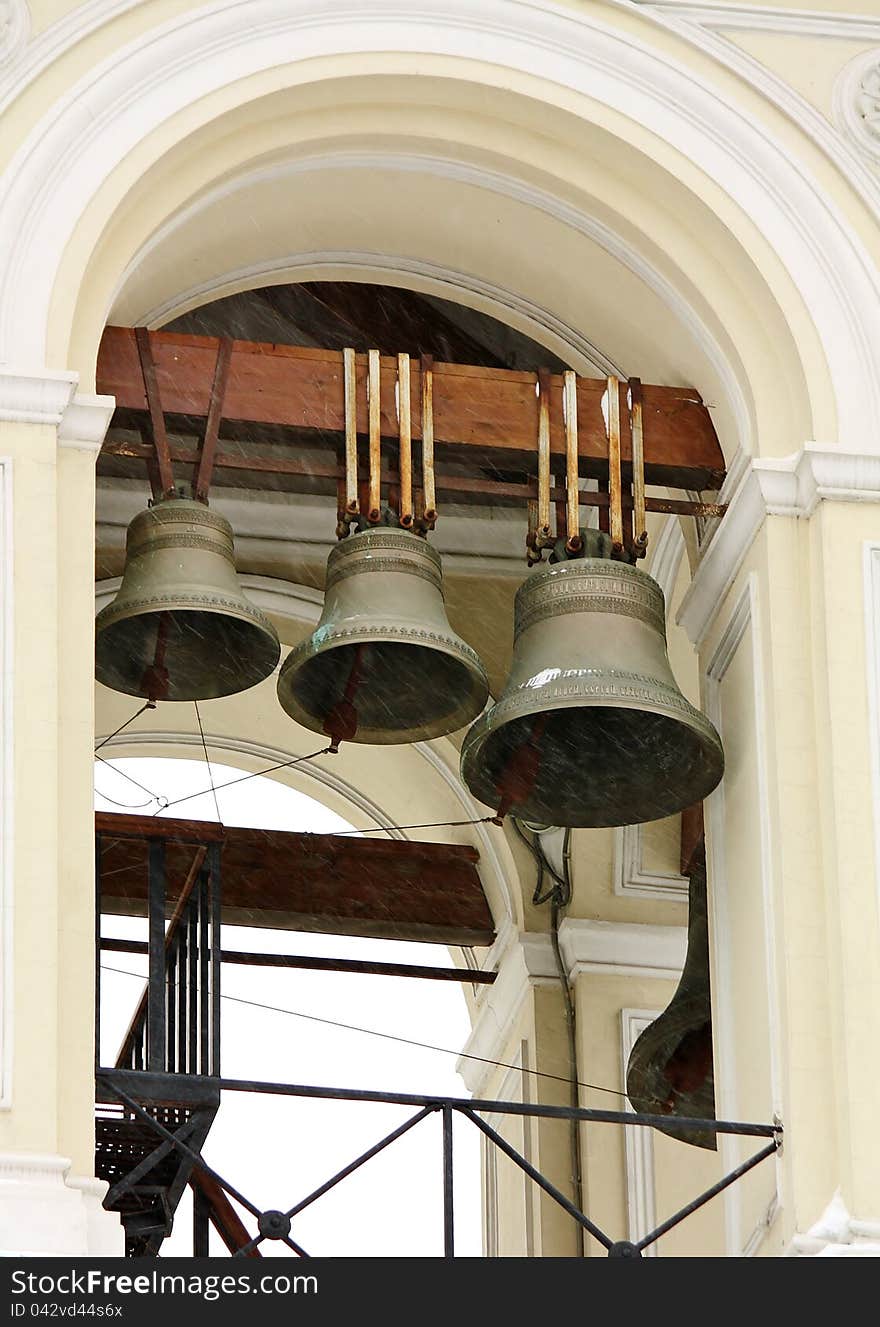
792	486
7	784
857	101
15	26
361	264
156	742
632	880
722	16
638	1143
743	616
46	1211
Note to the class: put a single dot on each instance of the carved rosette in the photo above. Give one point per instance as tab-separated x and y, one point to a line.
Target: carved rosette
857	102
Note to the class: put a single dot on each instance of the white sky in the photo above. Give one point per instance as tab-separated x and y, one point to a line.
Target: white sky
275	1150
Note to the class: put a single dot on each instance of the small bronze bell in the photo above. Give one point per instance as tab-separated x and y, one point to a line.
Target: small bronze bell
591	728
670	1070
180	627
383	664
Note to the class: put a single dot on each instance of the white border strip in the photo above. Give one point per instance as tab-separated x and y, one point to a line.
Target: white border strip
872	657
7	783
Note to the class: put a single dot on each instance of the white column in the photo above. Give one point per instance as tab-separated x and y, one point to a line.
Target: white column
50	1202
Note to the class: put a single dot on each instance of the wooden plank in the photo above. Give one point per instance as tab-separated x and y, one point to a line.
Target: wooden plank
491	414
324	882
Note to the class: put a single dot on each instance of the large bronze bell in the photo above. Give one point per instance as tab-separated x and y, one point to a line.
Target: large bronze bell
383	664
591	728
670	1069
180	627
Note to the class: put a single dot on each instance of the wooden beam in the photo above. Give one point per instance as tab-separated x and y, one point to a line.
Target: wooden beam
481	415
392	888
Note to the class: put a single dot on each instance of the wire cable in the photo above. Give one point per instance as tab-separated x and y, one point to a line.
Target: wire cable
156	797
284	764
387	1036
150	705
434	824
208	763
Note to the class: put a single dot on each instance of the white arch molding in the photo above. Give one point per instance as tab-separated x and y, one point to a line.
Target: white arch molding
500	882
179	66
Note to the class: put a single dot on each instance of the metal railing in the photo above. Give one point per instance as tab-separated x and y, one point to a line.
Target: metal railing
277	1223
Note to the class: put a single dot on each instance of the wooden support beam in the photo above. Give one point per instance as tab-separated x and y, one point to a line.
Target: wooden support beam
481	415
392	888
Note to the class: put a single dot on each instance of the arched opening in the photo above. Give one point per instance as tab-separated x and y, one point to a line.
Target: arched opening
305	1025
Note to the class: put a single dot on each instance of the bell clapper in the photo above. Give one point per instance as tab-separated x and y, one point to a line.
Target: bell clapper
342	721
521	771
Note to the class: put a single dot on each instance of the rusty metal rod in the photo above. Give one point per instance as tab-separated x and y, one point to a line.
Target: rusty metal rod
615	485
310	962
205	468
543	532
573	542
429	514
161	451
349	376
404	420
640	534
375	417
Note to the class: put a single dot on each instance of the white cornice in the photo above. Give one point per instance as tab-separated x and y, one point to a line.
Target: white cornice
85	422
632	949
49	396
792	486
35	396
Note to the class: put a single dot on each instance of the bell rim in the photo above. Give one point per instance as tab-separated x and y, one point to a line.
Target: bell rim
672	705
250	676
480	731
245	612
453	647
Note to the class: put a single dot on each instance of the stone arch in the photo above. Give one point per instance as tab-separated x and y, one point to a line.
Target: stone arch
83	159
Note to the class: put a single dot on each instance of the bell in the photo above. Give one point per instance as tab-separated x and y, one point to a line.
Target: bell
591	728
180	627
383	664
670	1069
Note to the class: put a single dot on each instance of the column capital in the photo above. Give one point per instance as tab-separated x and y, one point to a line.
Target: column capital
50	396
790	486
